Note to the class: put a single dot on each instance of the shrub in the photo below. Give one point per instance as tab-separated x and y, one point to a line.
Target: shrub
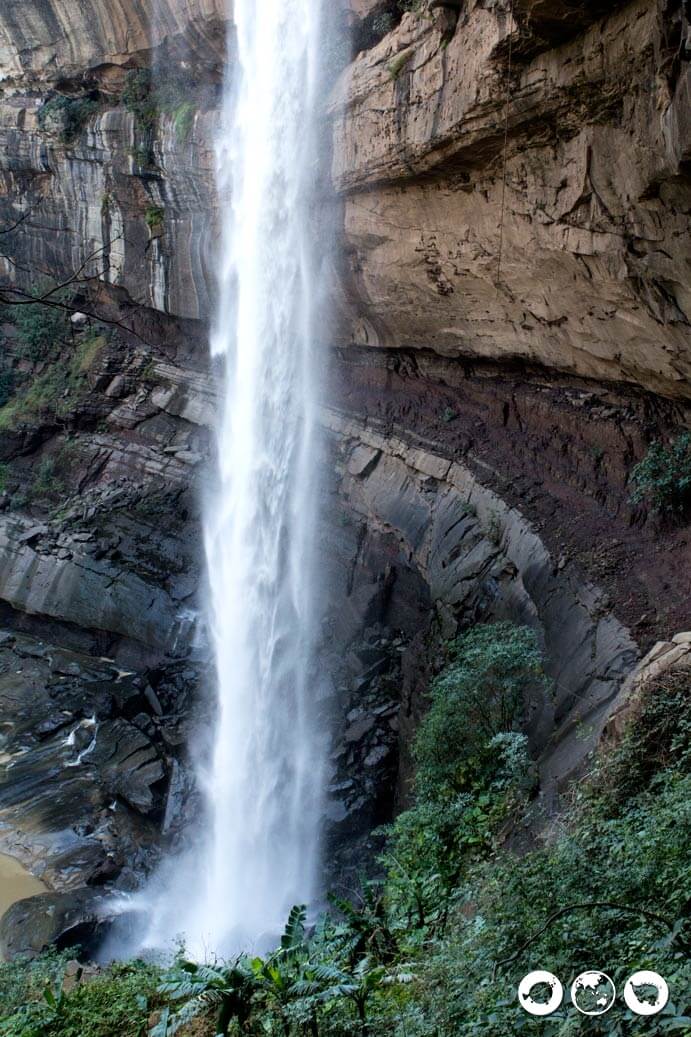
148	97
71	114
41	328
154	216
479	694
137	97
473	767
663	478
117	1002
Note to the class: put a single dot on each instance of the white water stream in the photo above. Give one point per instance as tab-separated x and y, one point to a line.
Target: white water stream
264	781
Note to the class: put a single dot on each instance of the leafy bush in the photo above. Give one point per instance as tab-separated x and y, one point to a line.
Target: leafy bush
663	478
399	63
183	121
154	216
41	329
71	114
147	97
116	1003
480	693
608	890
138	97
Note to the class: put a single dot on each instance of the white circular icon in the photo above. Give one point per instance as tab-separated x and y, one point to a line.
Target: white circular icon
593	993
555	993
646	993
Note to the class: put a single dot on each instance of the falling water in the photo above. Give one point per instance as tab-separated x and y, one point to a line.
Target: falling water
264	779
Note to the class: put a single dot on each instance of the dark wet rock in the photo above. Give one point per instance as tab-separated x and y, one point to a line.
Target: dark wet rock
85	774
53	920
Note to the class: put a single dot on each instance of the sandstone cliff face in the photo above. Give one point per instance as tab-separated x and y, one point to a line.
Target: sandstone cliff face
48	41
89	196
590	211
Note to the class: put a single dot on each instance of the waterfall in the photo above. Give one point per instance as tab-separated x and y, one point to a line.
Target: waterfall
265	777
259	853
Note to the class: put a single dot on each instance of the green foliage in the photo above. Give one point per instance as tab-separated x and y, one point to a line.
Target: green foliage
663	478
148	98
71	114
22	982
437	949
382	23
183	120
138	97
118	1002
57	390
482	691
154	217
473	768
41	329
51	473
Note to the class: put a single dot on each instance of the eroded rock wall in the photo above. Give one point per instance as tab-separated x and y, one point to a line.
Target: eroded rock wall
535	210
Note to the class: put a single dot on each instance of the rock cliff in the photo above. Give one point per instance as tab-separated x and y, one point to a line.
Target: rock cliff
511	310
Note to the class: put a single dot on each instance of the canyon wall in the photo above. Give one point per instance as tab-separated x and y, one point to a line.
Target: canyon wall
510	331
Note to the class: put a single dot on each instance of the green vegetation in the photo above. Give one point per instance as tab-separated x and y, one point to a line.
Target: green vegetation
40	329
7	384
54	393
154	217
437	948
663	478
183	120
114	1004
138	97
168	94
49	480
399	63
70	114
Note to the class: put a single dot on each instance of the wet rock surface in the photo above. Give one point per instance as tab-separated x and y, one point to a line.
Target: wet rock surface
91	763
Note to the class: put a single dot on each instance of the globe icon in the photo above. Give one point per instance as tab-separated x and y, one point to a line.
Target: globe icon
593	993
646	993
540	993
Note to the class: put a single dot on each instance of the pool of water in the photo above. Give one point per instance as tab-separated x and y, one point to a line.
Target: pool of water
16	883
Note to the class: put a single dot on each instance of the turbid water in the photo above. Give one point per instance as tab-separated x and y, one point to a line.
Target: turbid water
259	853
16	883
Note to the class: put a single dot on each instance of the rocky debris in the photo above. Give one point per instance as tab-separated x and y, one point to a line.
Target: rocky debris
92	777
663	658
364	757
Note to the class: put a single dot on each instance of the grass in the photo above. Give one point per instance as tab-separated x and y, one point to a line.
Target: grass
55	392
